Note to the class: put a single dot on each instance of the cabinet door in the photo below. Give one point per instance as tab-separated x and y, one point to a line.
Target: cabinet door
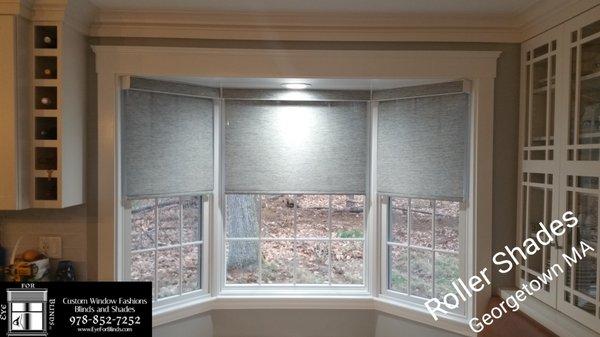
578	295
577	291
538	205
539	59
8	116
14	112
584	94
539	168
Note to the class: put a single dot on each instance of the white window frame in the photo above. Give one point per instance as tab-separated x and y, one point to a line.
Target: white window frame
297	288
160	304
114	63
405	297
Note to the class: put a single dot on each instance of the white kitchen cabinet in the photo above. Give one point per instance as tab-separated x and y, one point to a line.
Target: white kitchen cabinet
560	159
15	112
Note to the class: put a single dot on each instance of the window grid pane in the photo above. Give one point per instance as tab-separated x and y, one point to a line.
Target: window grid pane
166	244
302	239
424	265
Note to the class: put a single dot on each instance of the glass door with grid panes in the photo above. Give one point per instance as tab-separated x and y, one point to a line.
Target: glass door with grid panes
578	295
538	166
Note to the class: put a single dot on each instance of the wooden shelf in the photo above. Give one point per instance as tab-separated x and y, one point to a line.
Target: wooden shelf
45	52
64	87
45	82
45	143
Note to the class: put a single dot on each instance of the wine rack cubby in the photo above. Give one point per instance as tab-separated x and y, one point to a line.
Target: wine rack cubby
45	67
45	98
46	37
59	54
45	128
46	158
46	188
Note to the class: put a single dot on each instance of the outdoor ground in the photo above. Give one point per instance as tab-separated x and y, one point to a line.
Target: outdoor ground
295	239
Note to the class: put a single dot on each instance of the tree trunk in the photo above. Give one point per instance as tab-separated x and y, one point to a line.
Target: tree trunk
243	216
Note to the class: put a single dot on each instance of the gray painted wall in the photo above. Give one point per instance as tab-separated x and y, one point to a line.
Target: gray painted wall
390	326
196	326
506	110
297	323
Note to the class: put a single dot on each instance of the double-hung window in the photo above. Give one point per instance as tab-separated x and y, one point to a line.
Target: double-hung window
295	183
166	182
422	157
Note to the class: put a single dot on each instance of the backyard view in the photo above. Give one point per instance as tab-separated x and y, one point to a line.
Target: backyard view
295	239
433	243
166	236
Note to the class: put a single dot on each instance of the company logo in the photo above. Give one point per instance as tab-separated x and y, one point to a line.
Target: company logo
27	310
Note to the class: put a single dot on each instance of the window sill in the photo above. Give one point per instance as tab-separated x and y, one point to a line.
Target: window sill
351	292
243	300
417	313
549	317
297	301
181	309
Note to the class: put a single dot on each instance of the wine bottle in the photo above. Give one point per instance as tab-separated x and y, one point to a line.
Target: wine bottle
47	40
47	72
46	101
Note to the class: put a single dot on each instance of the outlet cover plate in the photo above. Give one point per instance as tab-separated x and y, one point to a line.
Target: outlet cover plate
51	246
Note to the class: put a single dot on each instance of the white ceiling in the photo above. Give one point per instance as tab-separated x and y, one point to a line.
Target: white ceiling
275	83
487	7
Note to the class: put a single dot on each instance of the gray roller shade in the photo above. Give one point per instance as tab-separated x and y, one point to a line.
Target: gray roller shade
285	147
167	144
422	146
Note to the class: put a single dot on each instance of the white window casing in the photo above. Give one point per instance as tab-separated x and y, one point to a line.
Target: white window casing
478	67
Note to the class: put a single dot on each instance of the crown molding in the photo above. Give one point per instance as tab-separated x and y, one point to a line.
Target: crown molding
295	27
545	15
82	15
518	27
79	14
17	7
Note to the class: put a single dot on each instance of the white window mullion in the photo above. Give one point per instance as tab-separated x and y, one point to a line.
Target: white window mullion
295	242
408	240
329	249
180	245
156	224
260	280
433	254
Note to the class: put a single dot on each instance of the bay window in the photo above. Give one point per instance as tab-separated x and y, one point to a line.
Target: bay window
169	151
294	191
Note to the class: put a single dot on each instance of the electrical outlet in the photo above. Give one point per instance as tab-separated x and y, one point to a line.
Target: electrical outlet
51	246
